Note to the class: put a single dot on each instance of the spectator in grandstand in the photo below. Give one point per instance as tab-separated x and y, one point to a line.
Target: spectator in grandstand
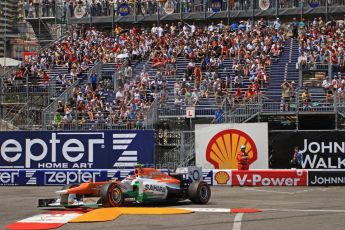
294	27
306	99
277	24
57	120
286	95
218	116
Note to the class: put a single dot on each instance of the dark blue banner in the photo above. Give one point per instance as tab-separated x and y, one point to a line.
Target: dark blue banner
60	177
314	4
216	5
76	150
124	9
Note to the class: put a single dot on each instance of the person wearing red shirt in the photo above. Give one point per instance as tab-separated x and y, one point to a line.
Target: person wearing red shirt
242	159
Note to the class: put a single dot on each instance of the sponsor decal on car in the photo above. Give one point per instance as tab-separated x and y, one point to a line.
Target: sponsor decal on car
153	187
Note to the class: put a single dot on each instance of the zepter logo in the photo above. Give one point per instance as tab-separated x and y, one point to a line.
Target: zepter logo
222	148
222	177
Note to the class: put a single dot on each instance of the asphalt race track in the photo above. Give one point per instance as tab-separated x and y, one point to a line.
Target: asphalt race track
284	208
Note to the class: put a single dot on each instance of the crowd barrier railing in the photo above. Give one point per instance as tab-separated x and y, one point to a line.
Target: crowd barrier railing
135	8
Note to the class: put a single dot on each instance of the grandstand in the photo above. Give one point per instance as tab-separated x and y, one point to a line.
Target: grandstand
146	76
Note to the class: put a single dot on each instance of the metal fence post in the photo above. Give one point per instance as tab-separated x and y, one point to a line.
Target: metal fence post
329	69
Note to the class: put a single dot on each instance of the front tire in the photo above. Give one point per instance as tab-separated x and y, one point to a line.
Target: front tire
199	192
111	195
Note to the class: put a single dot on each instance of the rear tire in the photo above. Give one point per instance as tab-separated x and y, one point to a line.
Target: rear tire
199	192
111	195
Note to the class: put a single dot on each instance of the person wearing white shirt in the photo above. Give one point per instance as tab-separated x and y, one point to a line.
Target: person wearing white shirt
327	84
211	27
185	30
192	28
160	31
154	29
276	24
221	25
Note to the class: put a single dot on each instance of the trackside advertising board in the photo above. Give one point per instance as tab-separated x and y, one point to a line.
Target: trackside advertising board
213	177
260	177
326	177
59	177
216	145
76	150
321	150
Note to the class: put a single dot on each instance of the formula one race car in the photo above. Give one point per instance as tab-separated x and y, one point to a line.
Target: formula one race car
146	185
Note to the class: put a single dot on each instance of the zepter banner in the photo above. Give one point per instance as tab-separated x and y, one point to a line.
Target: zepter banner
216	146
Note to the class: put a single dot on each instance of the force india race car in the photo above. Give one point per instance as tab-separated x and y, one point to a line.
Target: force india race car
146	185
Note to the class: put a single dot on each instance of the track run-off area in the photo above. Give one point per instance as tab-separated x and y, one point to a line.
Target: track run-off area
282	208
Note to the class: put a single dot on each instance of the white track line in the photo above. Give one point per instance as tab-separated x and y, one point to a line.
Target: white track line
271	191
237	221
304	210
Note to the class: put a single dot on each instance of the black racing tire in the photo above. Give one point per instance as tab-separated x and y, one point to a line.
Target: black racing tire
199	192
111	195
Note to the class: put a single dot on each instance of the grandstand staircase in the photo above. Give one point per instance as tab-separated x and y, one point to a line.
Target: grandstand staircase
206	106
283	68
46	28
42	31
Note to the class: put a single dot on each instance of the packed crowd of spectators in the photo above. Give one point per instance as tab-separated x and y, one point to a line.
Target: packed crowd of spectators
321	44
206	47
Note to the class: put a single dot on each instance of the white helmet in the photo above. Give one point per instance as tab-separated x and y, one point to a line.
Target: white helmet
243	146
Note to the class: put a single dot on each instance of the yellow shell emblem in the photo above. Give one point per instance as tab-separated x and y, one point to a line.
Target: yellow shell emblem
223	147
222	177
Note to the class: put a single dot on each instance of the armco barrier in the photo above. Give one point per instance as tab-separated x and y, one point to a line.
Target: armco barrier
39	177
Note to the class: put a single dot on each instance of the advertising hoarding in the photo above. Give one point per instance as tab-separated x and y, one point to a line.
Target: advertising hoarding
76	150
216	145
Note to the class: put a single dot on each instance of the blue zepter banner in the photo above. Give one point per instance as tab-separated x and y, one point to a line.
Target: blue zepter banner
76	150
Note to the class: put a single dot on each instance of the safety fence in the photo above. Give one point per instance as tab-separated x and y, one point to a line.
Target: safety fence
49	112
134	8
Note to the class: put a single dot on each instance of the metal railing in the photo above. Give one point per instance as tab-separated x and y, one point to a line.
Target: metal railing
7	126
151	115
180	111
49	112
184	152
137	7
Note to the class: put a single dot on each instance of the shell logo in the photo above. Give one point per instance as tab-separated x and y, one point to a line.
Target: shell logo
222	148
222	177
